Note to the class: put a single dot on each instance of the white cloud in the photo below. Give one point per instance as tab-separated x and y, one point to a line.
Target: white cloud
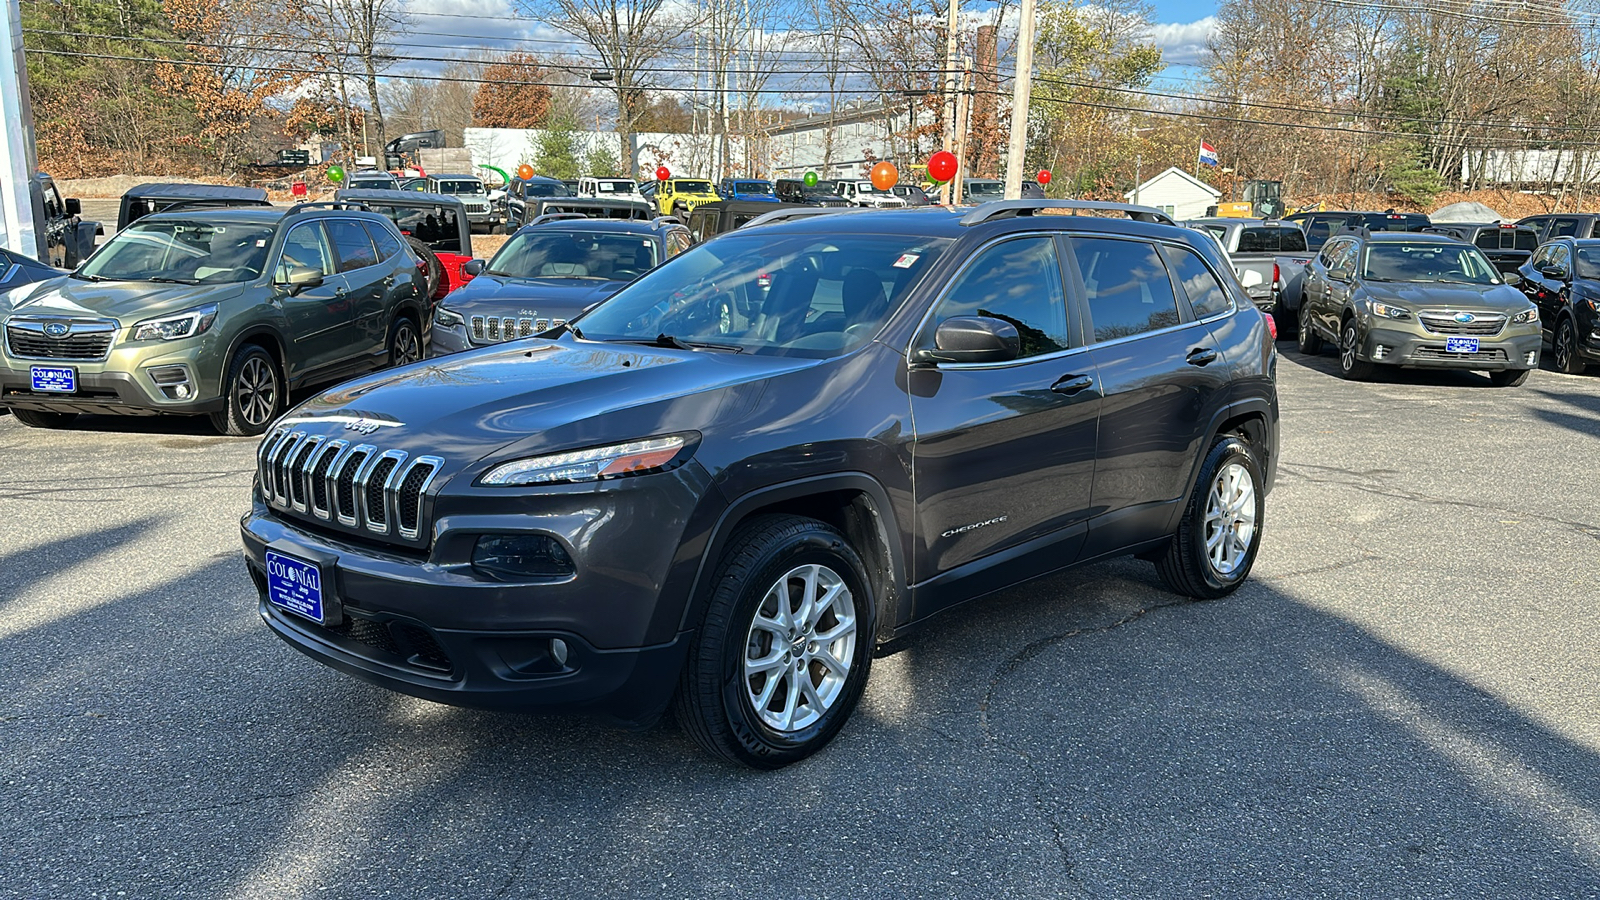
1183	43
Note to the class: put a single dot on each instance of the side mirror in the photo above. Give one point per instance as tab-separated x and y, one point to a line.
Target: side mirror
970	339
299	278
1556	272
1511	278
74	206
1339	273
474	267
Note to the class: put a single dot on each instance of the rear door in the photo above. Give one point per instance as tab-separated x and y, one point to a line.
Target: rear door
1162	375
1003	460
318	319
367	284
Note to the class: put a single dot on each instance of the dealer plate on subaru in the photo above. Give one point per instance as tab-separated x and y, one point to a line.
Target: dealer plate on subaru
1461	345
55	379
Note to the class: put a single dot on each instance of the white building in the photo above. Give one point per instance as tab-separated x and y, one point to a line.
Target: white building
1176	193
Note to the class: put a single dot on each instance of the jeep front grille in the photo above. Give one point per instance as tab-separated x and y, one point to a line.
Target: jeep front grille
88	340
356	486
492	329
1482	324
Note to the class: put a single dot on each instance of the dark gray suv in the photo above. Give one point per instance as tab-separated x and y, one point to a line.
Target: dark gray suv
723	487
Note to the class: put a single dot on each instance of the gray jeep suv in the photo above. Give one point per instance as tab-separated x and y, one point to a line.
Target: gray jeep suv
726	485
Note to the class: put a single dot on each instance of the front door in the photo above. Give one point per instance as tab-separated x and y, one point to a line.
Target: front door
318	319
1162	376
1003	458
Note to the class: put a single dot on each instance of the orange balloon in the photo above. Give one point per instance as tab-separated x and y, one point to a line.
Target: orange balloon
885	176
524	171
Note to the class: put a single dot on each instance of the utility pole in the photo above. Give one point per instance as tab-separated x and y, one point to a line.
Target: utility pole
1019	103
945	192
19	217
963	123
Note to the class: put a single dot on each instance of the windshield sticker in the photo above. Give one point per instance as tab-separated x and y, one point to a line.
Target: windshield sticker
907	260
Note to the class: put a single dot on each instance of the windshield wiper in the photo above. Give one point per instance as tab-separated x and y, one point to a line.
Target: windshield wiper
674	343
164	280
86	277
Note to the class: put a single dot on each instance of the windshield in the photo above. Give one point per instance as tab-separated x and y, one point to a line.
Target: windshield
545	189
614	187
374	184
866	187
1588	262
783	295
462	186
184	251
543	253
1450	263
691	187
985	189
752	187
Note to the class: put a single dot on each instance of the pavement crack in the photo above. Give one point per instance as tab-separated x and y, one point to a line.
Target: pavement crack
516	869
1365	557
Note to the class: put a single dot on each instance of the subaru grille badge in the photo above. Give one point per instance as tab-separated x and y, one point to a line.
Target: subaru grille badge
57	329
1464	318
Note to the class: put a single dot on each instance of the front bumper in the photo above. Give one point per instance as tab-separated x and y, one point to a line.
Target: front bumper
1511	349
125	383
429	625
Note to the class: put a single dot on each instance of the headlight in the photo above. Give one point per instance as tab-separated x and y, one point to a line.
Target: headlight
1390	312
1531	314
180	325
447	318
633	458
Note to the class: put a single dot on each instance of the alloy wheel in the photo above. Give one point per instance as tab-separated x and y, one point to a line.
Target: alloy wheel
1563	347
1347	348
799	648
257	391
407	348
1230	518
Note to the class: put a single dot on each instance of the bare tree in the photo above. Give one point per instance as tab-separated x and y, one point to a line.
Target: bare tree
354	38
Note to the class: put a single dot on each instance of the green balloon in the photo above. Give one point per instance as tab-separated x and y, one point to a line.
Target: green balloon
810	179
335	174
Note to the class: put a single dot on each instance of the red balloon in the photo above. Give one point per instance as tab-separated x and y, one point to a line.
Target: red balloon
662	174
1044	176
942	166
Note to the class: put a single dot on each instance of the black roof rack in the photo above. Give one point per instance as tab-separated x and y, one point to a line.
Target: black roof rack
785	215
1003	209
328	204
547	218
663	221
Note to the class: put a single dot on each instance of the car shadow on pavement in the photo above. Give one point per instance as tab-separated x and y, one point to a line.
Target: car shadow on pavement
1582	424
1084	735
1327	363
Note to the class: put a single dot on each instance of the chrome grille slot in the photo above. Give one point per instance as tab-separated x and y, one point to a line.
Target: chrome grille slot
490	330
297	472
277	468
494	329
344	495
318	475
375	490
1483	325
408	496
477	327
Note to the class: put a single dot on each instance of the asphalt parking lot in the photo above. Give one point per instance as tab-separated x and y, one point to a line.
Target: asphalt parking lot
1402	702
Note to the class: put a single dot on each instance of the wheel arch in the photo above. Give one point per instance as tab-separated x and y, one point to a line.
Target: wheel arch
1253	419
852	502
269	339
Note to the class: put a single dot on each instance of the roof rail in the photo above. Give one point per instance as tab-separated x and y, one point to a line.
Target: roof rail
662	221
328	204
785	215
546	218
1005	209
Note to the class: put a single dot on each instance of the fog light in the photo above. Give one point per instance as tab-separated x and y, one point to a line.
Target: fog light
1533	358
558	651
182	391
1380	351
518	556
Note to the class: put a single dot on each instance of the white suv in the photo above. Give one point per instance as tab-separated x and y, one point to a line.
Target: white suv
610	189
862	193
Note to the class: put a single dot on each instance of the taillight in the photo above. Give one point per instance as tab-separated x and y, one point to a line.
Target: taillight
1274	276
1272	326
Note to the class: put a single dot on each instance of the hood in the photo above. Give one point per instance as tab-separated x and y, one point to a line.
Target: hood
556	298
126	301
1467	297
466	406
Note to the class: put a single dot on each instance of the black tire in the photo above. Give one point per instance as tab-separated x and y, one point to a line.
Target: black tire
253	393
1187	567
1509	377
498	228
715	702
1352	366
1564	348
1309	341
432	270
34	418
405	342
1288	322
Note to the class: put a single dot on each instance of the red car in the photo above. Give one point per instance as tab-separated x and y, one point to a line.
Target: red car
435	225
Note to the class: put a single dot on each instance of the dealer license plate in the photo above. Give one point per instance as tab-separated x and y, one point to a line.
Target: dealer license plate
1461	345
55	379
295	585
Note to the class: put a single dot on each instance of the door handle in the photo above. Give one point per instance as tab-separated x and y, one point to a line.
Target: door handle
1202	356
1072	384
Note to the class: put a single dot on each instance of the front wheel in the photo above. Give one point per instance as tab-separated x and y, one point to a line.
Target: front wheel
1351	365
782	656
1216	544
252	394
1509	377
34	418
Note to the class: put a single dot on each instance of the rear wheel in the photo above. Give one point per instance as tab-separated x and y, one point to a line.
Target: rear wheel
1351	365
1309	341
432	270
782	656
252	394
1565	348
1288	322
36	419
405	343
1216	544
1509	377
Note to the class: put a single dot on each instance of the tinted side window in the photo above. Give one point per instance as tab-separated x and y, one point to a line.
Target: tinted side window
1329	251
1019	282
1206	296
1291	240
1563	228
353	245
1255	240
1488	239
388	245
304	246
1526	240
1127	287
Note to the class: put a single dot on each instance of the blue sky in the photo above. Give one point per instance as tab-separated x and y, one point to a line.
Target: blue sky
1180	28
